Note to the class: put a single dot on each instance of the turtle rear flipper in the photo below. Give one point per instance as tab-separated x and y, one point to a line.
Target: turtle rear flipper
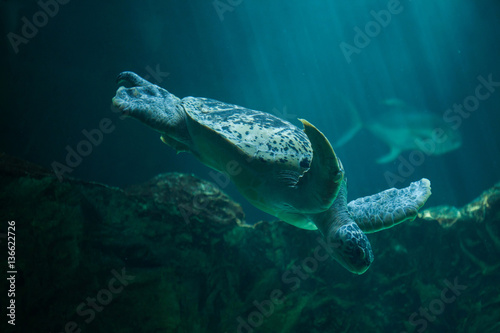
150	104
390	207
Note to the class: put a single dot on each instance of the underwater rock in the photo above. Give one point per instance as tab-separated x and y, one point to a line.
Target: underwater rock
481	243
485	207
189	196
94	258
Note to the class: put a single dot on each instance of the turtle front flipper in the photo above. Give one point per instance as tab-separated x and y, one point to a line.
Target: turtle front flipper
322	181
390	207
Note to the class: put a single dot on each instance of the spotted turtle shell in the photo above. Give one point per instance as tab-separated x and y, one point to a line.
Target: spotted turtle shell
258	135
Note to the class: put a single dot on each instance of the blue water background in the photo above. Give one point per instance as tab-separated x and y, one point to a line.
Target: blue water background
282	57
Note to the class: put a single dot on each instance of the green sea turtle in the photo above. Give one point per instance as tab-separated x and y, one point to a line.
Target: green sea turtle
289	173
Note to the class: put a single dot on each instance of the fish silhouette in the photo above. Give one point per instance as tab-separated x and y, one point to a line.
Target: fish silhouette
403	127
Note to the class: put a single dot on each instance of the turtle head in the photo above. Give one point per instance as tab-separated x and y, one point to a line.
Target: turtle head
347	243
152	105
351	248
